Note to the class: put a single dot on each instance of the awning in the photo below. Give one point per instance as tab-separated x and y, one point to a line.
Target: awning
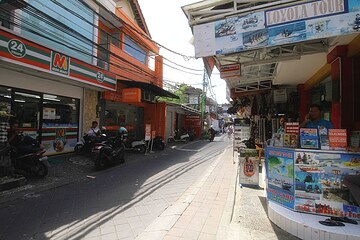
149	87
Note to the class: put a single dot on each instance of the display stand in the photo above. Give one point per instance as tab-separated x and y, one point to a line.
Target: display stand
312	182
241	133
248	167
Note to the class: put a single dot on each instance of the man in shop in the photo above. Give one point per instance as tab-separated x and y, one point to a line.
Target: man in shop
314	119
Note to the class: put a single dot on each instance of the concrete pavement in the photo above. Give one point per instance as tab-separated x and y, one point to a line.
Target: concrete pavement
212	206
215	207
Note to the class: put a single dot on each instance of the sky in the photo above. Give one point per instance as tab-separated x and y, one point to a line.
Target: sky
168	26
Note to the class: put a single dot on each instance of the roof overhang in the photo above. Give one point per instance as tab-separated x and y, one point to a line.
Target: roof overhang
149	87
287	64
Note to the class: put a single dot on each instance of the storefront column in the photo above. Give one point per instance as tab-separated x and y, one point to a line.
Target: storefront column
341	87
89	105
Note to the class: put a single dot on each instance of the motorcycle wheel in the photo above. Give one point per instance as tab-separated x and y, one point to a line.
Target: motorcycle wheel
142	149
79	149
170	140
41	170
100	162
160	146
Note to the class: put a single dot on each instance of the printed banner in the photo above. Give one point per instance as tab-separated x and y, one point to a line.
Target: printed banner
280	172
274	27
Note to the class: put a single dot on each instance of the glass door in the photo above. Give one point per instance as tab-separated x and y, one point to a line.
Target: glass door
26	106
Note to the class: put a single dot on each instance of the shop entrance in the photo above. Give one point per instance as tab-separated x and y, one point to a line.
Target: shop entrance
26	106
52	120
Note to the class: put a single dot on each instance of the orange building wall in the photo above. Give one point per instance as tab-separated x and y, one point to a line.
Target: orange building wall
154	114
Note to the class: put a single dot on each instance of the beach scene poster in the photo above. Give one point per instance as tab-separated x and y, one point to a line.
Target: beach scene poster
281	176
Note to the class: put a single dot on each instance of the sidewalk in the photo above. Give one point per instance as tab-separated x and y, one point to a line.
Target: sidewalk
215	207
198	212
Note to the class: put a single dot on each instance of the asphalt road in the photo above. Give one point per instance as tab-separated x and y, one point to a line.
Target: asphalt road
126	197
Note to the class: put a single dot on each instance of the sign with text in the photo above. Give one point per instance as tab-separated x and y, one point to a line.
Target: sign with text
297	22
147	132
337	138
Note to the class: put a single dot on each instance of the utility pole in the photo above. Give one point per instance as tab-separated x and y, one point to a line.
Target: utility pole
203	98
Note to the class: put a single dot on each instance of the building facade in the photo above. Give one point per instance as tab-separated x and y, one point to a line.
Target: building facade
65	64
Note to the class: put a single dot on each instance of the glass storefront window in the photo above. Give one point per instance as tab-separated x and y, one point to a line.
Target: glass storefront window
5	99
51	119
26	106
120	115
60	123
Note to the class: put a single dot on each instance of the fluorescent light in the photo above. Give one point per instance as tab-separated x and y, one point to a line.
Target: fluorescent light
27	95
52	99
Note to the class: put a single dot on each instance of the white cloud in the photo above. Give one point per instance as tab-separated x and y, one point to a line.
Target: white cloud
169	27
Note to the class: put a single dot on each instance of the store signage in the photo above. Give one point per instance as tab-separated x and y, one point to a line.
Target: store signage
60	63
17	50
231	70
100	77
337	139
309	10
292	127
193	99
274	27
112	96
280	96
131	95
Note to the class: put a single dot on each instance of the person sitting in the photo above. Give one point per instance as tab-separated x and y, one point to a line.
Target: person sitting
314	119
94	130
281	128
211	131
23	144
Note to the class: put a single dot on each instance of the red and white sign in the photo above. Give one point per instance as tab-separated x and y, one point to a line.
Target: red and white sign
147	132
292	128
229	71
337	138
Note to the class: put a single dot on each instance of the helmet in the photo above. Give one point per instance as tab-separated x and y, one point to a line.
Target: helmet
122	130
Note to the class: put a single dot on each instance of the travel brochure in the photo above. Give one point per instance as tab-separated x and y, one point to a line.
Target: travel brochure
309	138
312	181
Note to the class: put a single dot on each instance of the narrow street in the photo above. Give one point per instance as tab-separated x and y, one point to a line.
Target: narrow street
119	203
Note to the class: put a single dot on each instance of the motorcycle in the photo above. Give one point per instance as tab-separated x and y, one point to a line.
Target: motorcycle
87	143
108	153
28	157
184	137
158	143
138	146
211	136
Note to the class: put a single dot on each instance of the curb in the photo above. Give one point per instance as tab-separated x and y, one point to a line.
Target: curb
227	216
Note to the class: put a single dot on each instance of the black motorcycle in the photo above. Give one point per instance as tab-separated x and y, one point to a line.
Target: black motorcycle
109	153
28	157
87	142
211	134
158	143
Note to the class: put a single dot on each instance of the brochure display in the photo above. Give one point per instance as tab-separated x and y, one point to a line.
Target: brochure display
313	181
241	132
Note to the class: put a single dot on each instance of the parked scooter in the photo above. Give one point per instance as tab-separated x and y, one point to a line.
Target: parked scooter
137	146
184	137
87	142
110	152
158	143
28	157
